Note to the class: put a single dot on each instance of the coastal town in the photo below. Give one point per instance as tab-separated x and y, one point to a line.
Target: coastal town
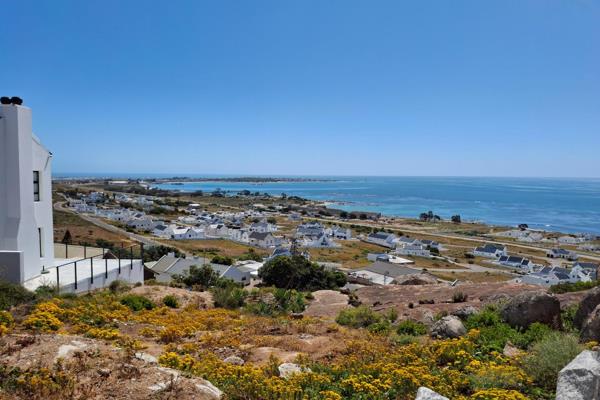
273	225
247	295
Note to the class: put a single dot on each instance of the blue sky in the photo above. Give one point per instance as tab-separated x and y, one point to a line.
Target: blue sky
339	87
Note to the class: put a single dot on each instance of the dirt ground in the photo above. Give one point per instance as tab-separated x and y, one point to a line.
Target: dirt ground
402	297
102	371
184	297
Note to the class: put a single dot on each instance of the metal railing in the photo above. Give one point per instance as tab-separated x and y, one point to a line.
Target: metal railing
85	262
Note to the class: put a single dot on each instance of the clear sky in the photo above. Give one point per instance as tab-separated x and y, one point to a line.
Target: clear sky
323	87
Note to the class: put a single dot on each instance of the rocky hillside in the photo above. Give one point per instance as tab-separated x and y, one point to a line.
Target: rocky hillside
499	342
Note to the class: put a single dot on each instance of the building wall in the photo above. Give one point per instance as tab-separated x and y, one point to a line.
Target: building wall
20	218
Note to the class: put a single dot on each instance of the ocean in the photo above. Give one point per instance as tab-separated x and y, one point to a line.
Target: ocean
554	204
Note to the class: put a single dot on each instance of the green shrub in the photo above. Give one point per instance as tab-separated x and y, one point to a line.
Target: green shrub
411	328
381	327
223	260
284	302
359	317
573	287
229	296
459	297
12	295
137	303
298	273
391	314
549	356
118	286
568	317
170	301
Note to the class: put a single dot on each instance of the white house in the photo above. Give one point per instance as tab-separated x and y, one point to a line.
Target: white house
144	223
562	253
26	228
490	250
413	250
263	227
264	240
383	239
338	232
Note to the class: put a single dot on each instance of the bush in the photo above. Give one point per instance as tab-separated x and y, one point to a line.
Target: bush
118	286
229	296
411	328
223	260
549	356
573	287
12	295
282	302
298	273
359	317
137	303
170	301
203	277
459	297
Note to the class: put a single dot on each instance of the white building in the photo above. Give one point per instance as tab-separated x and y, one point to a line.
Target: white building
383	239
26	229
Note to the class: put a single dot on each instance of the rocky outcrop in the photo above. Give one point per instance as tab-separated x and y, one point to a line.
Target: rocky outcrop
448	327
580	379
465	312
427	394
235	360
286	370
587	305
590	329
527	308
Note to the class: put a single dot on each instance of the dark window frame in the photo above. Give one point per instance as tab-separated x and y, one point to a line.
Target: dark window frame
36	186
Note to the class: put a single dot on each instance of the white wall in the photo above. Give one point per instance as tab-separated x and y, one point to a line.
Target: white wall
20	217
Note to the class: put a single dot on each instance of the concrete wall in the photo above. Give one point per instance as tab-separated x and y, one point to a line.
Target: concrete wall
20	217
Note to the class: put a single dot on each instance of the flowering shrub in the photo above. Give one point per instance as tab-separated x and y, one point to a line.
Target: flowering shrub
44	318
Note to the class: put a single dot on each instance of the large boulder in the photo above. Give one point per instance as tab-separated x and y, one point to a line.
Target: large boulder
587	305
590	330
580	379
427	394
527	308
448	327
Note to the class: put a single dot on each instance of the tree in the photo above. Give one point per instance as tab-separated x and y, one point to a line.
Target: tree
455	219
223	260
298	273
203	276
67	238
343	214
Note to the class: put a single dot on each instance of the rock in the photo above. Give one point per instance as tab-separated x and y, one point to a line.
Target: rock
587	305
427	394
235	360
527	308
580	379
448	327
208	389
591	326
465	312
415	279
296	315
288	369
104	372
510	350
150	359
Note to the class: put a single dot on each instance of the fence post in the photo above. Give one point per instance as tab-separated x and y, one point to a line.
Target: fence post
66	250
84	250
131	256
57	280
91	270
106	268
75	275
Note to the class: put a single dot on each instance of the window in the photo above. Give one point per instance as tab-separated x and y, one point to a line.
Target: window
41	242
36	185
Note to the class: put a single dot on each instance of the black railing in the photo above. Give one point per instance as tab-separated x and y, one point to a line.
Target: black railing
121	253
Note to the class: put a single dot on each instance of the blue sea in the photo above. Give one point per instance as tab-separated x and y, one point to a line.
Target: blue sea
554	204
